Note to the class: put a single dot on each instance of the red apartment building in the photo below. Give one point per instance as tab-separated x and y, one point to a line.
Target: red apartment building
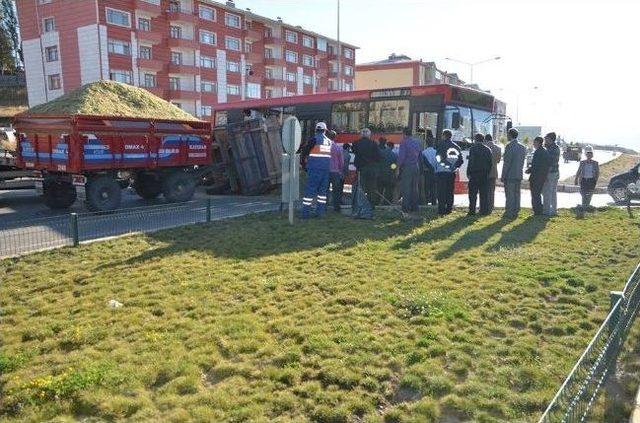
194	53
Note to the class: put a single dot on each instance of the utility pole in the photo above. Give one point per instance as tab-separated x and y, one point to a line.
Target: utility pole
339	52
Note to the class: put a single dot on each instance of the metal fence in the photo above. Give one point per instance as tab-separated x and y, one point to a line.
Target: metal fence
576	396
67	230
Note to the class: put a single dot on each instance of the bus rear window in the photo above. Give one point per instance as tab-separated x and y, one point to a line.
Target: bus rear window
348	117
388	115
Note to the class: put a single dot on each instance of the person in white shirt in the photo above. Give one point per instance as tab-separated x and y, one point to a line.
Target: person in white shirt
429	164
587	177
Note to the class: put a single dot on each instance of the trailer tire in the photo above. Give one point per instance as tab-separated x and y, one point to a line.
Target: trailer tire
147	186
58	194
103	193
178	187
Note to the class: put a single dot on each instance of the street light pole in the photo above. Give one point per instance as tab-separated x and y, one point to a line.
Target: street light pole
339	52
472	64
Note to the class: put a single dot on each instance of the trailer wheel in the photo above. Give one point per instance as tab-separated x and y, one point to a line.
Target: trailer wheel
147	186
103	193
178	187
59	194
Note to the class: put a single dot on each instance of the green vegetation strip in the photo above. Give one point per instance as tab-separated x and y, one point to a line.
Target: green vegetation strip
332	320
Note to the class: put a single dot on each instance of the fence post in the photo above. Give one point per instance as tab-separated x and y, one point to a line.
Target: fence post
208	210
74	228
612	385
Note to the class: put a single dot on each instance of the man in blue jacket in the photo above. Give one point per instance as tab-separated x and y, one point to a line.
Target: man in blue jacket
448	159
317	156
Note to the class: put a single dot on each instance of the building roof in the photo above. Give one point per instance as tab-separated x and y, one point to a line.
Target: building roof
248	13
395	59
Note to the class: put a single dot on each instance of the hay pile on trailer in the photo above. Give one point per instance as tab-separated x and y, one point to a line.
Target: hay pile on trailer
109	98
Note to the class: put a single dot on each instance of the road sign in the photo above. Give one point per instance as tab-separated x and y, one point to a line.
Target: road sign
291	135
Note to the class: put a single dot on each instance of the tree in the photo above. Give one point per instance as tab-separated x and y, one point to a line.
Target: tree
10	51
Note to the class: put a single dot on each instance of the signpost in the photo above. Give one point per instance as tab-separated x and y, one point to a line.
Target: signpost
291	137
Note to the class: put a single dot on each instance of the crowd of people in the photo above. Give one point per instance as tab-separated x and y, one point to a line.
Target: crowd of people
426	170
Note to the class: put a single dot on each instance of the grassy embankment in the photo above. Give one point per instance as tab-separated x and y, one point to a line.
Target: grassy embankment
332	320
608	170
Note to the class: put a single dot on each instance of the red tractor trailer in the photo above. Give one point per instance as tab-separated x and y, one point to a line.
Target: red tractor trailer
95	157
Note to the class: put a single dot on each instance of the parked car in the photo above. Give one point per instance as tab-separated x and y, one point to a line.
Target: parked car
618	186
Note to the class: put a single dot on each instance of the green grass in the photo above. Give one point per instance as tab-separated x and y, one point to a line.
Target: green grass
333	320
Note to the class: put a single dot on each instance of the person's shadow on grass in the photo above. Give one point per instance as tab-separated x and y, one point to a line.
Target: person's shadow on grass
437	233
523	233
473	238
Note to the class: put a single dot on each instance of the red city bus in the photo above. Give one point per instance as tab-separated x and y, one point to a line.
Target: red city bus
386	112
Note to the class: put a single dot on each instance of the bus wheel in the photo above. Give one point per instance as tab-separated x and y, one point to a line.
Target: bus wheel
147	186
59	194
178	187
103	193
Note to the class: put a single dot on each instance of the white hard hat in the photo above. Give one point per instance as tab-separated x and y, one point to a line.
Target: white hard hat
321	126
588	149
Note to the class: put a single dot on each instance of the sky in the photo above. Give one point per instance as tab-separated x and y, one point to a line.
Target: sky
570	66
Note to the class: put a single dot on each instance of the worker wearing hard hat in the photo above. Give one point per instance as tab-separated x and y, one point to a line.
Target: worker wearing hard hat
587	177
317	156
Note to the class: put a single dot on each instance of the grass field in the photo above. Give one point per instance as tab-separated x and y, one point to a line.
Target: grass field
331	320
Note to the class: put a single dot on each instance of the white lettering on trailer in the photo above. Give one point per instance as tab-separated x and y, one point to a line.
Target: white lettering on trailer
197	154
197	147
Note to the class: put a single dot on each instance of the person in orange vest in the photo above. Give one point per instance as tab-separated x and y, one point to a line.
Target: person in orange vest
317	156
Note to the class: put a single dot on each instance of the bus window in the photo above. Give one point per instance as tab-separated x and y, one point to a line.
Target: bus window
425	120
482	122
388	115
348	117
221	118
464	130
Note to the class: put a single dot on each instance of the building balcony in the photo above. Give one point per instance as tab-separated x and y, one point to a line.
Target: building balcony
183	43
332	55
183	94
322	72
182	16
274	61
153	37
254	57
252	34
184	69
160	92
254	78
270	39
151	64
332	73
274	82
150	6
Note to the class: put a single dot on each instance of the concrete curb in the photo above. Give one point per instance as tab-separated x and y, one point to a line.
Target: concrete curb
562	188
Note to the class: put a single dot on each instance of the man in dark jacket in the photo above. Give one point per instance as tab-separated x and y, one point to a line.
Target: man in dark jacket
367	163
448	161
538	172
478	170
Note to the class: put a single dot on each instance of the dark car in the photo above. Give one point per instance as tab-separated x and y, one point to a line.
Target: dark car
618	186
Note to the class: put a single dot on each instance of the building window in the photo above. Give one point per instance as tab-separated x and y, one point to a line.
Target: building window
149	80
268	73
307	80
268	93
120	76
291	77
307	60
207	86
144	24
307	41
49	25
248	46
207	37
175	31
207	62
54	82
232	20
253	90
268	53
207	13
348	86
145	52
348	53
118	17
44	1
174	6
174	83
233	89
52	53
348	70
291	56
205	110
291	37
176	57
232	43
233	66
119	47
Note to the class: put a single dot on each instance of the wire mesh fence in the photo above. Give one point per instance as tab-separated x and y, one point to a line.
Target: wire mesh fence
574	400
23	237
